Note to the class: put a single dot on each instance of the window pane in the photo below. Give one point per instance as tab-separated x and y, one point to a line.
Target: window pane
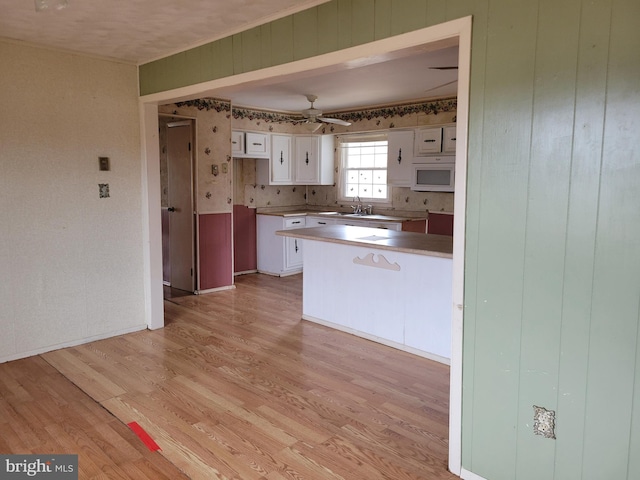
364	166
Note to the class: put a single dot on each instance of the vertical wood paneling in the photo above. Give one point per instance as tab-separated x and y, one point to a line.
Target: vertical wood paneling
237	53
505	158
382	21
408	15
580	243
480	11
436	12
265	46
305	31
548	192
222	56
282	40
252	49
614	325
362	28
345	21
327	27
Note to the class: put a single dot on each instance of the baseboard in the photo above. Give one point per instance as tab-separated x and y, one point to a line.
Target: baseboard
211	290
467	475
245	272
73	343
383	341
166	283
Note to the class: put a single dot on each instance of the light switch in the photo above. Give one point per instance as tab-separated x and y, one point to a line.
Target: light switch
225	167
104	164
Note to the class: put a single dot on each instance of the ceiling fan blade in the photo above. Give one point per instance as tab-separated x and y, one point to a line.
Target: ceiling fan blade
439	86
334	120
444	68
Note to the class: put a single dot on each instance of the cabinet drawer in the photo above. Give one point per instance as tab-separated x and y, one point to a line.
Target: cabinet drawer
257	144
296	222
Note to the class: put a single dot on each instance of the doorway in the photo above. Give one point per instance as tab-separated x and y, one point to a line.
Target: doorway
399	44
178	225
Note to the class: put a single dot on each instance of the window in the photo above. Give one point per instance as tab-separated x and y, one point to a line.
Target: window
364	168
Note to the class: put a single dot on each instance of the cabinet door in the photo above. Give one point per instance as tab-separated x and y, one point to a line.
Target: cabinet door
428	141
237	143
292	253
400	155
257	144
280	161
449	139
306	160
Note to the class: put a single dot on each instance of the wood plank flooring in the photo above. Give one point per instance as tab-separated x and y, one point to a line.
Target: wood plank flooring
236	386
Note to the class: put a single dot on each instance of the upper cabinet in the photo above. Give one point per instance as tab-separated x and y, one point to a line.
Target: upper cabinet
250	144
449	139
313	159
298	160
435	140
280	167
428	141
399	157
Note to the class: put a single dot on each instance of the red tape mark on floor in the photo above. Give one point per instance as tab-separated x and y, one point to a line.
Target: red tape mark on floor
144	436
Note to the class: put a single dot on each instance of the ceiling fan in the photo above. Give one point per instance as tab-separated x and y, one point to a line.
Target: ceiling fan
313	115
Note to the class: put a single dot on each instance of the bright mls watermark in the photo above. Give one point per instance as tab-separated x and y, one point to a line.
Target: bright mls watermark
50	467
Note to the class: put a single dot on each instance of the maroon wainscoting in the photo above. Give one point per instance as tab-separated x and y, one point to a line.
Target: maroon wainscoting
440	223
244	239
215	250
418	226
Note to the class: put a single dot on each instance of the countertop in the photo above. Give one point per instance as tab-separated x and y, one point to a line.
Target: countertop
333	214
406	242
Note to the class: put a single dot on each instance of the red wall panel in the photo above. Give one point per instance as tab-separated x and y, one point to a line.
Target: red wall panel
244	239
215	250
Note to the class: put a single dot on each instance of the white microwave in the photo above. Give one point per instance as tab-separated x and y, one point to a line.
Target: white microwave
434	174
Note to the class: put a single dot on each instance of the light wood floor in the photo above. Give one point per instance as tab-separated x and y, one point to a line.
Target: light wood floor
236	386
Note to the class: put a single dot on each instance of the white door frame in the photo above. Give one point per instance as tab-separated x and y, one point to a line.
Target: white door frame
460	29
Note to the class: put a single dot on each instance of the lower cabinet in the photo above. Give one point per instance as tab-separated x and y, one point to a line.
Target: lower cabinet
278	255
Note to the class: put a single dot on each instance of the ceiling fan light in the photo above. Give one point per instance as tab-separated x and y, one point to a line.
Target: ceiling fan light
311	127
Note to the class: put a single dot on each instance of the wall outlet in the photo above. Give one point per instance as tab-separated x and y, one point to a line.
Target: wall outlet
544	422
214	170
104	164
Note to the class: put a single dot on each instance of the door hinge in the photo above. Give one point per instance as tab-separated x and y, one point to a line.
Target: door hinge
189	146
192	272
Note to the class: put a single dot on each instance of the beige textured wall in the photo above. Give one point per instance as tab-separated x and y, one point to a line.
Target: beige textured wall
71	264
213	194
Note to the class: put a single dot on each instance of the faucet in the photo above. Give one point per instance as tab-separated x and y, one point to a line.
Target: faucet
357	209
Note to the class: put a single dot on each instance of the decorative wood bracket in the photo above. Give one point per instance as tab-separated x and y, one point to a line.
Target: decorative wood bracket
382	262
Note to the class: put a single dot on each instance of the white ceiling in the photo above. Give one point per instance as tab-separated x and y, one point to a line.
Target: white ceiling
137	31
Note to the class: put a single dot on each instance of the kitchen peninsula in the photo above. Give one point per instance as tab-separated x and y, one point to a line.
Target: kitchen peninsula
387	286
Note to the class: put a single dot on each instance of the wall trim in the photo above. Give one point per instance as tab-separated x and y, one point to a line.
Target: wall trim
467	475
383	341
217	289
73	343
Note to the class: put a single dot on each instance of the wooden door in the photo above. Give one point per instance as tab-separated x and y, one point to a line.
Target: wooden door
181	224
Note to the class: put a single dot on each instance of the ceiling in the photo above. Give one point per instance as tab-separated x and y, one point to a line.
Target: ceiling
139	31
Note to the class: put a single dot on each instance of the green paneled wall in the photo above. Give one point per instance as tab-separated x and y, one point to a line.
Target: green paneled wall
552	274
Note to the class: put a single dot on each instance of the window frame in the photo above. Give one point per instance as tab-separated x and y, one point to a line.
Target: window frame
342	175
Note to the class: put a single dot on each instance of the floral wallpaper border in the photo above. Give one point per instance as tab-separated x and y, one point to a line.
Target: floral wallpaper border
431	107
207	104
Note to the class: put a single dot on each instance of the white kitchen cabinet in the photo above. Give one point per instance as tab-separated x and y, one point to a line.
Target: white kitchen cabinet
449	139
277	255
237	143
313	159
363	222
250	144
280	167
428	141
399	157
